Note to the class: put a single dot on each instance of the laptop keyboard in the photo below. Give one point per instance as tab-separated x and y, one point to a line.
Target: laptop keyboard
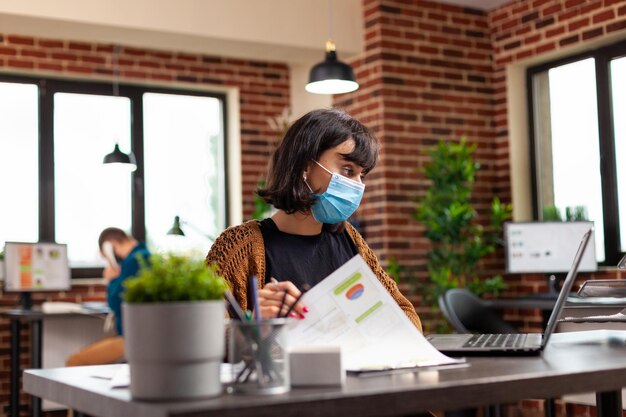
514	340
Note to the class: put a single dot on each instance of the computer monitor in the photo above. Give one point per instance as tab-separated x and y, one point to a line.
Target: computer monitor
547	247
30	267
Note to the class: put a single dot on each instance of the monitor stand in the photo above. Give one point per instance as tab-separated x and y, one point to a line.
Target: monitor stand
553	286
26	300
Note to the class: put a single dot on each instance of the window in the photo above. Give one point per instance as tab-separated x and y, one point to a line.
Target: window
184	160
88	195
53	137
618	94
579	142
19	169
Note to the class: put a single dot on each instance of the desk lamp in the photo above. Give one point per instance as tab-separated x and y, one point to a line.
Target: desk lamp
177	230
622	263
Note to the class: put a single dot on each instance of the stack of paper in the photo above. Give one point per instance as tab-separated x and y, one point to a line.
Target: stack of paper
352	309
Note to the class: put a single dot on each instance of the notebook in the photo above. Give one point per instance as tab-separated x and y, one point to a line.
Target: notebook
512	344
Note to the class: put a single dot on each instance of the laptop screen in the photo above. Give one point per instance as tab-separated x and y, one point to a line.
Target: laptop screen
567	288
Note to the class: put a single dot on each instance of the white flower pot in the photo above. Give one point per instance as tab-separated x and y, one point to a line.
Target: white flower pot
174	350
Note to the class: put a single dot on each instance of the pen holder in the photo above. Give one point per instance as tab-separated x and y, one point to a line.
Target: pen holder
257	350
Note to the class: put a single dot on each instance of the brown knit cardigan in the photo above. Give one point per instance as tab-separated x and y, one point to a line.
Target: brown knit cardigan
239	252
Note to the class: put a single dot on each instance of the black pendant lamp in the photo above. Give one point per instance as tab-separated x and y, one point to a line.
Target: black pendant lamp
331	76
117	157
120	158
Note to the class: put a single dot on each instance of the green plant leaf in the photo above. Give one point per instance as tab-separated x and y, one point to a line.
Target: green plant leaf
458	242
171	278
261	208
394	269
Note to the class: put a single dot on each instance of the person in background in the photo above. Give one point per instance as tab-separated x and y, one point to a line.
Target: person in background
316	182
125	250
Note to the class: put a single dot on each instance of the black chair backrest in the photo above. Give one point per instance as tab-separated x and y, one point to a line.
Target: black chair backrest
468	314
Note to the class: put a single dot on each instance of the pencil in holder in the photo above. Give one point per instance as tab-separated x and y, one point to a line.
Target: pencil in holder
257	350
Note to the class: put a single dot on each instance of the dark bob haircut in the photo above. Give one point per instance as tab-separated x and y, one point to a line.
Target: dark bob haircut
305	141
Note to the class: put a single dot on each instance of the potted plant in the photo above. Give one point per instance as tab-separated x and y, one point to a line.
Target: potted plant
173	316
458	241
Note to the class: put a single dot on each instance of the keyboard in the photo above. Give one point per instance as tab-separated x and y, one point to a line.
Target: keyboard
513	340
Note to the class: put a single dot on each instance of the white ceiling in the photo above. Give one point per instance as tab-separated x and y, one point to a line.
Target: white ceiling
238	28
478	4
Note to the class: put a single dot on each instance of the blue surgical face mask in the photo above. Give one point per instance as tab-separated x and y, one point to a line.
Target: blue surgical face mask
341	198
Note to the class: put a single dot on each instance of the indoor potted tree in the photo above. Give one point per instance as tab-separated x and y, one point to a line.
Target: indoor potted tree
458	241
174	329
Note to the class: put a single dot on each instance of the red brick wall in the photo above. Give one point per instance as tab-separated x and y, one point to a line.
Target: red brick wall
432	71
426	75
429	71
263	91
525	29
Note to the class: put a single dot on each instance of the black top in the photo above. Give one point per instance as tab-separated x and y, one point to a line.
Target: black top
304	259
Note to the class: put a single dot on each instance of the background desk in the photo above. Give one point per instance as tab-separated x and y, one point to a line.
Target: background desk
576	307
546	302
527	302
69	328
563	368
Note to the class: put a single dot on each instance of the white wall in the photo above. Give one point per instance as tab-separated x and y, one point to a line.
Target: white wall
282	30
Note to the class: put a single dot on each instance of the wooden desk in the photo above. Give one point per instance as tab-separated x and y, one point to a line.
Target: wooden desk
565	367
35	317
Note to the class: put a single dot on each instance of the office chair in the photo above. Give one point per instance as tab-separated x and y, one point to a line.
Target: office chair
467	313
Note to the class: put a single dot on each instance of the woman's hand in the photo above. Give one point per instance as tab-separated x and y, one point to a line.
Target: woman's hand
276	298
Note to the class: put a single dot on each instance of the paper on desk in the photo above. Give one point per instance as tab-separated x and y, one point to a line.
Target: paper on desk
599	301
618	317
351	308
119	376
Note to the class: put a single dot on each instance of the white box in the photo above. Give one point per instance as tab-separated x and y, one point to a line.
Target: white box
316	365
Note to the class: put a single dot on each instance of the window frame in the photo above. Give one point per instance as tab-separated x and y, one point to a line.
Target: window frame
608	171
48	86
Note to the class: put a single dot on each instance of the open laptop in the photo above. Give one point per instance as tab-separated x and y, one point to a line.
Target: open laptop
511	344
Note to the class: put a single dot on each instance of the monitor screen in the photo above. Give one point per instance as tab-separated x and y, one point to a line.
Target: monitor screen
547	247
36	267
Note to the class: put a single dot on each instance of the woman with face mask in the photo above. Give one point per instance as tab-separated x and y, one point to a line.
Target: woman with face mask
315	182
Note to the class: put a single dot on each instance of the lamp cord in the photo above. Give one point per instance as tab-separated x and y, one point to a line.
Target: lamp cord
116	70
330	19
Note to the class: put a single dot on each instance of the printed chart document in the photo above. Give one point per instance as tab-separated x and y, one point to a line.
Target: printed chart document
351	308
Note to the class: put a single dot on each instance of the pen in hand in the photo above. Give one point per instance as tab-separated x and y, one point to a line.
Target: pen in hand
292	306
282	304
283	299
